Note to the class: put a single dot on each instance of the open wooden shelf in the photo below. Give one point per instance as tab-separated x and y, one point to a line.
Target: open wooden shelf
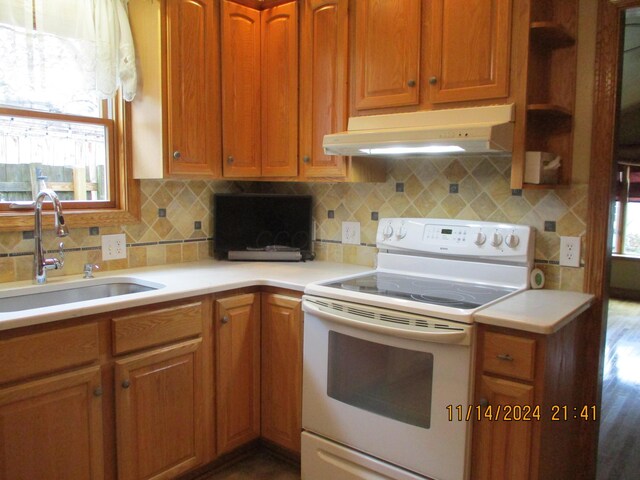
549	109
551	35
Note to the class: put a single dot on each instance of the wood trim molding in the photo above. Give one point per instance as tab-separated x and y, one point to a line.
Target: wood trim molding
599	214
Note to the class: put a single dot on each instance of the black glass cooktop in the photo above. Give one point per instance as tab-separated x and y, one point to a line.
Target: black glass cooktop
424	290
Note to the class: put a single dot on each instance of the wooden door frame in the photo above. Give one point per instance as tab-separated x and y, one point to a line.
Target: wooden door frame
601	197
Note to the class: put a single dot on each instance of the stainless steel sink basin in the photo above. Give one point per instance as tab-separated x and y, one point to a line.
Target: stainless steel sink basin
50	295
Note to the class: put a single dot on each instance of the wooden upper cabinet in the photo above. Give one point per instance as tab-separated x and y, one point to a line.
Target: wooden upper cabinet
324	95
241	90
469	49
260	90
279	78
176	112
387	53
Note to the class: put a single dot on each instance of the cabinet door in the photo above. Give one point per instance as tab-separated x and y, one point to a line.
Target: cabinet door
159	411
502	449
241	121
280	91
387	53
193	88
469	50
324	60
238	370
52	428
282	370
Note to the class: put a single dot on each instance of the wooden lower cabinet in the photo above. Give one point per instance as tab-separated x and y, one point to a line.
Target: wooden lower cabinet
525	382
237	382
159	411
52	428
281	370
503	447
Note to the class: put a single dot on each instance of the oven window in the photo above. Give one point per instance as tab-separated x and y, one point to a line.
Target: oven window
390	381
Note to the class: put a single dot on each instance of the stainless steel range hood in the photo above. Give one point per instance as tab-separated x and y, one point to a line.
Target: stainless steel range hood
487	130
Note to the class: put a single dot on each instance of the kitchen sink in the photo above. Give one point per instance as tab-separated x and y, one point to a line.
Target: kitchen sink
51	295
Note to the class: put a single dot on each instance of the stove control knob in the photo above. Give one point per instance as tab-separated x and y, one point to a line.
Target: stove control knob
387	231
480	239
496	239
512	241
402	232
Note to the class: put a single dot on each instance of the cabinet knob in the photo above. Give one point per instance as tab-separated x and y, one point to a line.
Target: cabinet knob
433	80
484	402
505	356
411	83
177	155
126	384
306	159
225	319
229	159
97	392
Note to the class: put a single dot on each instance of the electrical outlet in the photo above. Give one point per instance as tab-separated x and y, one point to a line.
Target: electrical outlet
570	251
114	246
351	232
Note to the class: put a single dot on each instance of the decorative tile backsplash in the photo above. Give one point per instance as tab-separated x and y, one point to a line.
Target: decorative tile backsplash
176	219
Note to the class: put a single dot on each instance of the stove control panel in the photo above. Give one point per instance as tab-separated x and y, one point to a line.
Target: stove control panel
456	237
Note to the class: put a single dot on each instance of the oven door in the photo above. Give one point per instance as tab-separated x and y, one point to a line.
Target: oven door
388	391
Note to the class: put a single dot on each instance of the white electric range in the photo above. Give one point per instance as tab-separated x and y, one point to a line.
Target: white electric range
388	353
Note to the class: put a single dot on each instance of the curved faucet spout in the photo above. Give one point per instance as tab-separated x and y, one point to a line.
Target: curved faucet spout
40	263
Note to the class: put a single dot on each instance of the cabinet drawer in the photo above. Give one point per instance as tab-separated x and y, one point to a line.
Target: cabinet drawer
156	327
46	352
509	355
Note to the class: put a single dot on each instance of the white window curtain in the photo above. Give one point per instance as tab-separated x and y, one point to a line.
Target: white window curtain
56	53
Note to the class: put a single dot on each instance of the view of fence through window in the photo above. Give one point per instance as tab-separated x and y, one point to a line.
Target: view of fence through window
71	156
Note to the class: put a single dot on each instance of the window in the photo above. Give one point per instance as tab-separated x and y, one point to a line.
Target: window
65	67
626	227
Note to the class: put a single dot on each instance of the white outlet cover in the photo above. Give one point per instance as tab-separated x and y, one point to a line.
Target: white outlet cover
570	251
114	247
351	233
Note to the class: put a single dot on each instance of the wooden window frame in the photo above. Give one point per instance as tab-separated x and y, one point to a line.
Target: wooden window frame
123	206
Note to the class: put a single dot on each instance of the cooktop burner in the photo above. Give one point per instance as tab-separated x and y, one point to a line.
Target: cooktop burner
424	290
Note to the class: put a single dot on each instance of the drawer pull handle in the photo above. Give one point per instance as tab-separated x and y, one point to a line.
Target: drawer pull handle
97	392
225	319
126	384
505	356
484	403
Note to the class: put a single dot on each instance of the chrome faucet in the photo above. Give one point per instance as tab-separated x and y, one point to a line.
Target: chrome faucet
40	263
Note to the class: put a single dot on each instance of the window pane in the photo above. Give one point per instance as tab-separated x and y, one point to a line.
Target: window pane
390	381
632	229
71	155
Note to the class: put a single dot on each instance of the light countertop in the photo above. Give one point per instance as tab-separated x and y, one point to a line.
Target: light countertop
179	280
536	311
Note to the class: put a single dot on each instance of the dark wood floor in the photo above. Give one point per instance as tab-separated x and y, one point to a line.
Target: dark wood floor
619	446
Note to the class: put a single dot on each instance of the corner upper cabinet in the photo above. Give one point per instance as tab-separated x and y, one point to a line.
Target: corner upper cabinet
324	94
260	91
241	90
469	48
176	113
387	53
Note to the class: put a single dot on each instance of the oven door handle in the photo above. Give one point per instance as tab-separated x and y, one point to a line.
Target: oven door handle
458	337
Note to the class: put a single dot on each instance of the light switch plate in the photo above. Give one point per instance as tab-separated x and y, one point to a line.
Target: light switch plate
114	247
351	233
570	251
